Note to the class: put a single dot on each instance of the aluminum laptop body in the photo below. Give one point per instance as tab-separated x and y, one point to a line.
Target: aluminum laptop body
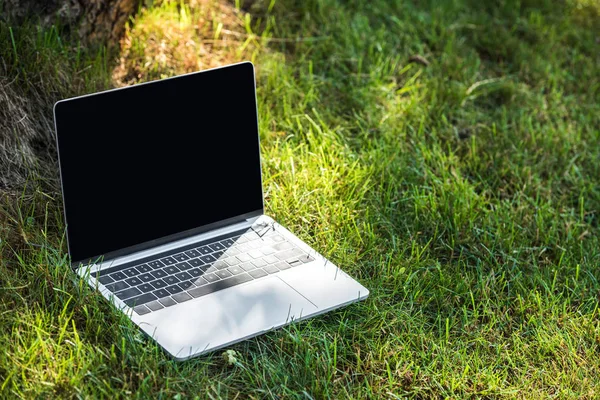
165	214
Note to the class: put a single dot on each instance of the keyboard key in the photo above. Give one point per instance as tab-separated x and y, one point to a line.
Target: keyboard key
174	289
196	272
243	248
155	305
204	250
271	259
182	276
130	272
183	266
284	255
105	280
171	270
159	283
145	287
211	277
283	246
232	251
186	285
141	310
256	244
306	259
208	259
159	273
161	293
127	293
171	280
277	238
181	257
207	289
181	297
259	262
118	276
268	241
196	262
282	265
223	274
217	254
209	269
300	253
251	235
134	281
167	302
136	301
199	281
255	254
216	246
155	264
117	286
220	265
231	261
146	277
192	253
168	260
235	270
143	268
247	266
294	262
271	269
244	257
267	232
257	273
227	242
267	250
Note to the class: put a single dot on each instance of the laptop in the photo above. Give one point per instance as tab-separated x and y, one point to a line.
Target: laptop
164	213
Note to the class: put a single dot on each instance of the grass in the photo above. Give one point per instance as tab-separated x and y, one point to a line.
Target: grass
461	187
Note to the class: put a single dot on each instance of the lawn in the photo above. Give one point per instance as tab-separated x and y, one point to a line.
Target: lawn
444	153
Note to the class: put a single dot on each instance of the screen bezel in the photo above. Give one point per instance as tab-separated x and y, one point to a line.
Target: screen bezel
177	236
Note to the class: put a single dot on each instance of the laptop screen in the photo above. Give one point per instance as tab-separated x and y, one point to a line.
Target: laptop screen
158	160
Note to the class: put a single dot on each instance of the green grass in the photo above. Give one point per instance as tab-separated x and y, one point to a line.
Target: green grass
464	194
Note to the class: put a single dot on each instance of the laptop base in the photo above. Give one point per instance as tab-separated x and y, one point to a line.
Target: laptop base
248	309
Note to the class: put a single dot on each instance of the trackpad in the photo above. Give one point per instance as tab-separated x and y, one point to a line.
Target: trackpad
222	317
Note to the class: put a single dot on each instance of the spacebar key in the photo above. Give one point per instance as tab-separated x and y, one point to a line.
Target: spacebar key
136	301
220	285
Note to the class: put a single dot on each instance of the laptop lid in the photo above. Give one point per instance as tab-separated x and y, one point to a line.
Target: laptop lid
151	163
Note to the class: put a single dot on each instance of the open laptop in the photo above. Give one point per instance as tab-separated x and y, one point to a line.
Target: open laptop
165	214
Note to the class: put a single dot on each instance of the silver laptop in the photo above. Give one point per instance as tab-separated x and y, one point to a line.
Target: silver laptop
165	214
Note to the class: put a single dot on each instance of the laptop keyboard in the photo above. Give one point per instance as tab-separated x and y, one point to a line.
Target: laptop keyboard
196	270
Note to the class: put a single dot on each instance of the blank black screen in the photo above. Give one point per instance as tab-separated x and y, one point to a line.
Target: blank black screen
153	160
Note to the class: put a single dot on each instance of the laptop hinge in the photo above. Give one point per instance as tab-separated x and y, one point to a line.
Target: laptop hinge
113	262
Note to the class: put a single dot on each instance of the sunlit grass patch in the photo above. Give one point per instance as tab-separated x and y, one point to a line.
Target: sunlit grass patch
318	186
586	11
179	37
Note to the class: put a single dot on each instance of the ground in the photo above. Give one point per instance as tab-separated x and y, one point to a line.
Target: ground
445	153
